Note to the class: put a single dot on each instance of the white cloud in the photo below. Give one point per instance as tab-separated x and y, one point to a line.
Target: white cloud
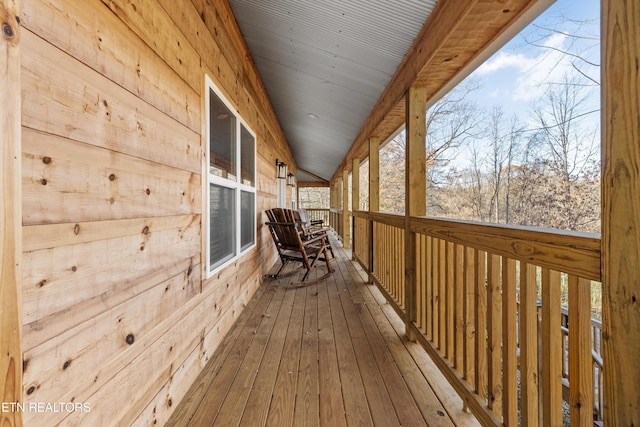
531	69
506	60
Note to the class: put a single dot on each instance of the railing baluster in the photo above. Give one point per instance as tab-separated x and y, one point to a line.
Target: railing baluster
435	290
419	267
509	345
580	358
551	349
424	280
528	320
450	287
458	304
387	260
481	324
442	294
429	292
402	249
494	334
469	313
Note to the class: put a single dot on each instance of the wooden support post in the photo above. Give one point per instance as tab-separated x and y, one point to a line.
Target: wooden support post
374	174
355	197
621	211
338	206
374	194
346	228
415	191
355	184
10	215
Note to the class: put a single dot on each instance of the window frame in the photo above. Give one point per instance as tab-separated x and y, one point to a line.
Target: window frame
238	186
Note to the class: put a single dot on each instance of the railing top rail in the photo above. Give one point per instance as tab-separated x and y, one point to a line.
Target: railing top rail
565	251
318	209
570	252
392	219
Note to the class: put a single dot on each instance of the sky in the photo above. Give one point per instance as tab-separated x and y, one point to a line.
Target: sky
515	76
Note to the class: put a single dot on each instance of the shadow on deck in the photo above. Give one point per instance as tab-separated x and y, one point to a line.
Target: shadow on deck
327	354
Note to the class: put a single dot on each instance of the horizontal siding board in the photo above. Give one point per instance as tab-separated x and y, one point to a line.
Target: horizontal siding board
91	108
64	180
73	355
47	236
59	278
51	326
154	26
92	34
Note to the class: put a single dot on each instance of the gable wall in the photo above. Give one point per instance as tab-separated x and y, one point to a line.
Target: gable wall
116	313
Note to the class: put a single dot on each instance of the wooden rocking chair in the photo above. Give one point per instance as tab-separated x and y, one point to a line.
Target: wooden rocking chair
288	238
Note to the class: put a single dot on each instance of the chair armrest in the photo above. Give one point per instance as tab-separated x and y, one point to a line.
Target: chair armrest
280	223
314	239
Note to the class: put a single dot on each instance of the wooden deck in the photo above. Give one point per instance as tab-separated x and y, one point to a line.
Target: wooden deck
327	354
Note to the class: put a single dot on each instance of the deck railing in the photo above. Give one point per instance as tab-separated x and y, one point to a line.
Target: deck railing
477	291
335	221
318	214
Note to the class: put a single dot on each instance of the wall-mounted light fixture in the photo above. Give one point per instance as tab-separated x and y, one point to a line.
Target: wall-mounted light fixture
291	180
281	169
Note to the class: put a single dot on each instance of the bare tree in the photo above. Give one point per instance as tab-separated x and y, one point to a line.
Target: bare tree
451	122
568	144
582	47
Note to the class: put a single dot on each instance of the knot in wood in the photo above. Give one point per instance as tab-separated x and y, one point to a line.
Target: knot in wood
112	177
7	31
46	160
130	339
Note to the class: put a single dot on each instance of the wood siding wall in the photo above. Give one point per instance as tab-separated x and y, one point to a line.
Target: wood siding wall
116	311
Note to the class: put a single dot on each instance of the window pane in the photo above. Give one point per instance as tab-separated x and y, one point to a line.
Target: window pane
222	226
222	141
247	157
247	218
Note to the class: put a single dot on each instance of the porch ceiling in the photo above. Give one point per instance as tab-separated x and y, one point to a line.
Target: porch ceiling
336	72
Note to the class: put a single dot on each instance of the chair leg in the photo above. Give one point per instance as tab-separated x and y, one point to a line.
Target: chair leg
323	250
284	263
326	258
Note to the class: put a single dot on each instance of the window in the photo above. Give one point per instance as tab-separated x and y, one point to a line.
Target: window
231	180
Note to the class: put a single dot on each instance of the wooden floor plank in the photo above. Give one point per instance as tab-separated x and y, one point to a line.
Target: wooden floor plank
282	404
430	407
381	407
405	407
327	354
307	405
259	400
451	401
235	402
332	407
355	400
200	404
